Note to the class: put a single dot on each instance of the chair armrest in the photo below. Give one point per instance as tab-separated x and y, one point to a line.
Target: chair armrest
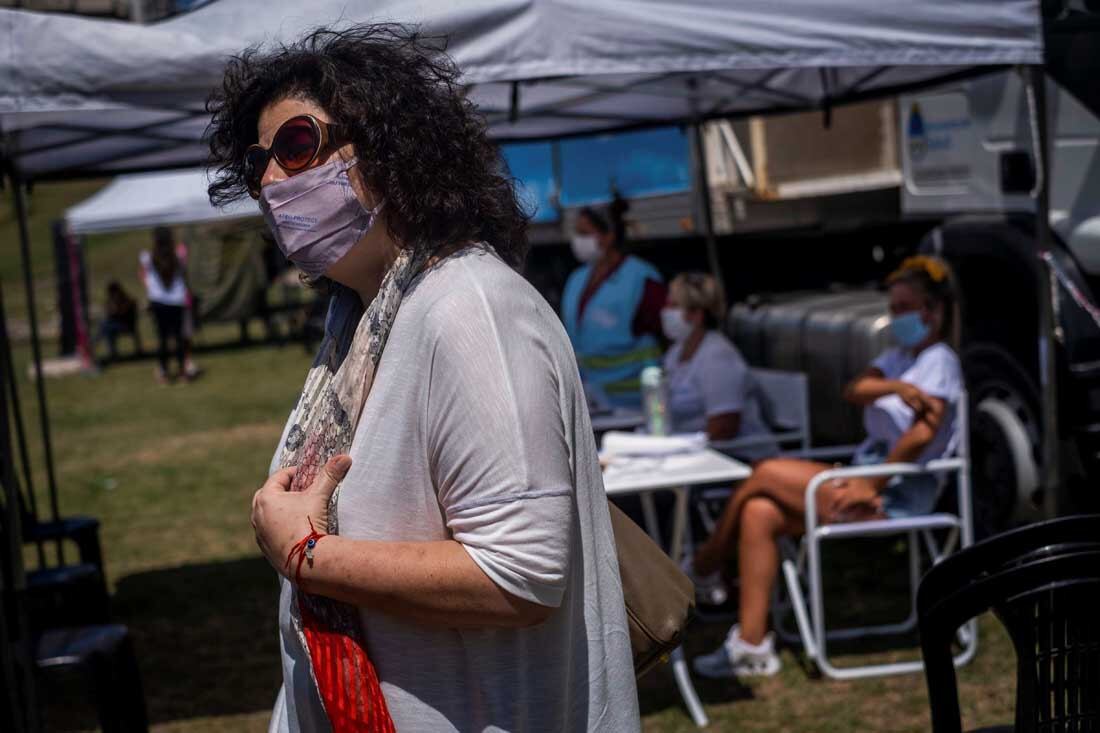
748	441
827	452
878	470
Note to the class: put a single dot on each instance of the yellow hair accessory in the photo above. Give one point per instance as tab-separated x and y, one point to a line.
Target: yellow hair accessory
932	266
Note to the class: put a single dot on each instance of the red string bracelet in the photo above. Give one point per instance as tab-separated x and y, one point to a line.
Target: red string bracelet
304	550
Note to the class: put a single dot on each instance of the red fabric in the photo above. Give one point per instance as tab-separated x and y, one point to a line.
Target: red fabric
647	319
346	679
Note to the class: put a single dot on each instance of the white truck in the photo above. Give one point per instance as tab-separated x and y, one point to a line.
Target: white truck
1031	325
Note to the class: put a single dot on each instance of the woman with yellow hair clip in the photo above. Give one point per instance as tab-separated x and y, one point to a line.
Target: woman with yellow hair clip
908	394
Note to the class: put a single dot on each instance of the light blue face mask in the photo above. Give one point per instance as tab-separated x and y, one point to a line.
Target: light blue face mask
908	329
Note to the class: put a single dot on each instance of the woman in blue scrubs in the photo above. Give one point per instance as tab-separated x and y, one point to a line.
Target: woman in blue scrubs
612	309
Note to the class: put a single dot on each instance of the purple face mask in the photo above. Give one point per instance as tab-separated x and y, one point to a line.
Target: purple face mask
315	216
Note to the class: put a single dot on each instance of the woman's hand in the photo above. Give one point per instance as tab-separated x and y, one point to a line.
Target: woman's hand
917	400
852	499
282	517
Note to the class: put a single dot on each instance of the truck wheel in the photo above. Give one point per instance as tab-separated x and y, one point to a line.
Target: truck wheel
1004	440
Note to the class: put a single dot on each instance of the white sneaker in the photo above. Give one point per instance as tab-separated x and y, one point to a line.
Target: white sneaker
709	589
738	658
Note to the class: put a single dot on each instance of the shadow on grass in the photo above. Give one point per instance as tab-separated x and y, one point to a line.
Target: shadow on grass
206	637
127	355
657	691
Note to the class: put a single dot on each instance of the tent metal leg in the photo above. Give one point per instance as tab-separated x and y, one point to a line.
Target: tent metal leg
36	346
7	369
703	192
19	711
1054	497
687	690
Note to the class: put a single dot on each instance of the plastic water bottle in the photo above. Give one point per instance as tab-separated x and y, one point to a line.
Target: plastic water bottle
655	400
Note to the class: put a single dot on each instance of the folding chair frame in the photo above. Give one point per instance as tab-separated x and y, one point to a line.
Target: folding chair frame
810	617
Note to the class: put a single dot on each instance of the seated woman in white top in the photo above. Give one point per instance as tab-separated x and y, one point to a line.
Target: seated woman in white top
710	387
909	395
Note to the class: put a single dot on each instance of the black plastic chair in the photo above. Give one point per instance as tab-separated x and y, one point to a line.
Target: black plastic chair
1043	583
104	655
69	595
82	531
65	595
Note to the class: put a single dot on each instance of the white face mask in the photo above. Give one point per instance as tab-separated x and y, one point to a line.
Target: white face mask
675	325
585	247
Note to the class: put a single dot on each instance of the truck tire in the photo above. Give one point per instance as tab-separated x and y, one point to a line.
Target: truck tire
1005	437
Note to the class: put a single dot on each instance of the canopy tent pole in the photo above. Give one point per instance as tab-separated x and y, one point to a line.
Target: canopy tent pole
19	711
7	369
703	191
19	196
1054	499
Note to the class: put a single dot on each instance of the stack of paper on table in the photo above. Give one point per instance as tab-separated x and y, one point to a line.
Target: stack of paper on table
637	444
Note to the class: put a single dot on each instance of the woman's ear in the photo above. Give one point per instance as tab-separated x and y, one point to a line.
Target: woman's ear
694	316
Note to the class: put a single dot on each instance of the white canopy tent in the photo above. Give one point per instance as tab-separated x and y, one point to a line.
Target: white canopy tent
88	97
141	200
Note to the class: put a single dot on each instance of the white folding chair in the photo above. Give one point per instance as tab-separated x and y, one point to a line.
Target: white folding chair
802	561
785	402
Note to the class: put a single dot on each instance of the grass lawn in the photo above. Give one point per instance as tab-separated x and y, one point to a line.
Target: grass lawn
170	472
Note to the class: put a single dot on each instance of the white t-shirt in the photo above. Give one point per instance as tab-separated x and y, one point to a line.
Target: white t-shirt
714	381
476	430
936	372
173	294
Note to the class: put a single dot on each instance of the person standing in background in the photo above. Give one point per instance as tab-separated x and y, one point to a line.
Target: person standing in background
611	307
166	288
190	313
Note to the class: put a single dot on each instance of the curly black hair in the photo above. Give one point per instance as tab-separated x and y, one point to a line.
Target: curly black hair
419	141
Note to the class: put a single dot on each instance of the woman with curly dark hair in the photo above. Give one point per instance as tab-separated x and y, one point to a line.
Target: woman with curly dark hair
445	544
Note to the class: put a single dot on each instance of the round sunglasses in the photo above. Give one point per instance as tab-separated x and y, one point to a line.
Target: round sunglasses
297	143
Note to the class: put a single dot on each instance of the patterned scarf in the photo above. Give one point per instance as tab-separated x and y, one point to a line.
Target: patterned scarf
329	410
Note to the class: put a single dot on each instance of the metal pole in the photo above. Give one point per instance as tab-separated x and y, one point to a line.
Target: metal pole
36	346
7	366
17	655
1054	495
704	206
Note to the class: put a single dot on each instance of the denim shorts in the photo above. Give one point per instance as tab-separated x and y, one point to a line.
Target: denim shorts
904	496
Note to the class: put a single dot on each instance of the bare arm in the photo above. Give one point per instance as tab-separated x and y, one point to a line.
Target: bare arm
866	491
432	583
725	426
918	437
868	386
872	384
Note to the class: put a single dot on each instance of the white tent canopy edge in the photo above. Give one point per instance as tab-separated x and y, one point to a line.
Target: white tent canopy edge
537	68
142	200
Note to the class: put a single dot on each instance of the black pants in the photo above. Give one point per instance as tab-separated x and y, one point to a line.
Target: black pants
169	319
